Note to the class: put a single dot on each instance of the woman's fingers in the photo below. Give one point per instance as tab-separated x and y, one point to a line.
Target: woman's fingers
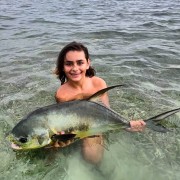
62	144
138	125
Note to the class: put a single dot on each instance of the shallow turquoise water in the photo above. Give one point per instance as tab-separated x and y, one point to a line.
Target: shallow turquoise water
132	42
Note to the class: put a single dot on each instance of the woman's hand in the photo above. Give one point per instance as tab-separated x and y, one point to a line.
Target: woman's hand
137	126
58	144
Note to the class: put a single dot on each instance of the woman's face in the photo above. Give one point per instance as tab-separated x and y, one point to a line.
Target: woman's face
75	65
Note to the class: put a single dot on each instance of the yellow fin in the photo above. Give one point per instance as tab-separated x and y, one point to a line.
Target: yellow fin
82	134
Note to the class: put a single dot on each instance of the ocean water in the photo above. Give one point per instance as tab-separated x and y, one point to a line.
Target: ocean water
133	42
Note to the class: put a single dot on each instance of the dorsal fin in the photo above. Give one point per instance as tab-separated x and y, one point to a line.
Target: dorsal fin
95	97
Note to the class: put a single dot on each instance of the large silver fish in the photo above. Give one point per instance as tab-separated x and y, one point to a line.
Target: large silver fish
76	119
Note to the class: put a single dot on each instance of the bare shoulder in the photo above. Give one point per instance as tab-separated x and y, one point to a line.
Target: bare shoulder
98	82
61	93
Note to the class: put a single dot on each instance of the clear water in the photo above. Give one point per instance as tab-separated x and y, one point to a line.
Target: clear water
135	42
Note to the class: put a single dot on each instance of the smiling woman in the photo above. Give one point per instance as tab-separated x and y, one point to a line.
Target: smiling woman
78	80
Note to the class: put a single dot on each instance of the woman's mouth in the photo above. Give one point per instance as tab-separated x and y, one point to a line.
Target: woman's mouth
75	75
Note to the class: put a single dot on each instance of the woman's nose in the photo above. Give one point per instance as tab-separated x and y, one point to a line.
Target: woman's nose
75	67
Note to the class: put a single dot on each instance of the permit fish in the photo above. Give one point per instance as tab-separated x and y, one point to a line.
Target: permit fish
77	119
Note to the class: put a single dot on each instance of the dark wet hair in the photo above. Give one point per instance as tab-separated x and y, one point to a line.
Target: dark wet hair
73	46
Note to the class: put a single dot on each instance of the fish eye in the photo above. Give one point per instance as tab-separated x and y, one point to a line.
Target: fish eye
23	139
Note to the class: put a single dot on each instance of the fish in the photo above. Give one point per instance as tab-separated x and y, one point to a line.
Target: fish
77	119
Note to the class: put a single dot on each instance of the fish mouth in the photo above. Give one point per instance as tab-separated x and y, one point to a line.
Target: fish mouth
15	146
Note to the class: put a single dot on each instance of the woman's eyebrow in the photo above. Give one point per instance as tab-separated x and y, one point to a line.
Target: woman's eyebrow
72	61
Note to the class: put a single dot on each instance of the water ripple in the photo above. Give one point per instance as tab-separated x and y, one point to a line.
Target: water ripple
132	42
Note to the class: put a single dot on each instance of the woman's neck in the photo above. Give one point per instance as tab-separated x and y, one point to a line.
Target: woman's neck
80	84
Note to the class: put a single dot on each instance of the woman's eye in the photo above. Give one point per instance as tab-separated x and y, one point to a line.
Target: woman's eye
67	64
80	63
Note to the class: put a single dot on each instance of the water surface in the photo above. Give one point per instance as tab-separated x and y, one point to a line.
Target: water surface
130	41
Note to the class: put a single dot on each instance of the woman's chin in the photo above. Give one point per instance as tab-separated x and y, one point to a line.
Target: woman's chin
76	77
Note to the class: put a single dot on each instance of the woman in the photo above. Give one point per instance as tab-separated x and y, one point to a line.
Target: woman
78	81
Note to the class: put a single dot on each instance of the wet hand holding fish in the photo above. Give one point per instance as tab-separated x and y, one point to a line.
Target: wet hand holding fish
77	119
